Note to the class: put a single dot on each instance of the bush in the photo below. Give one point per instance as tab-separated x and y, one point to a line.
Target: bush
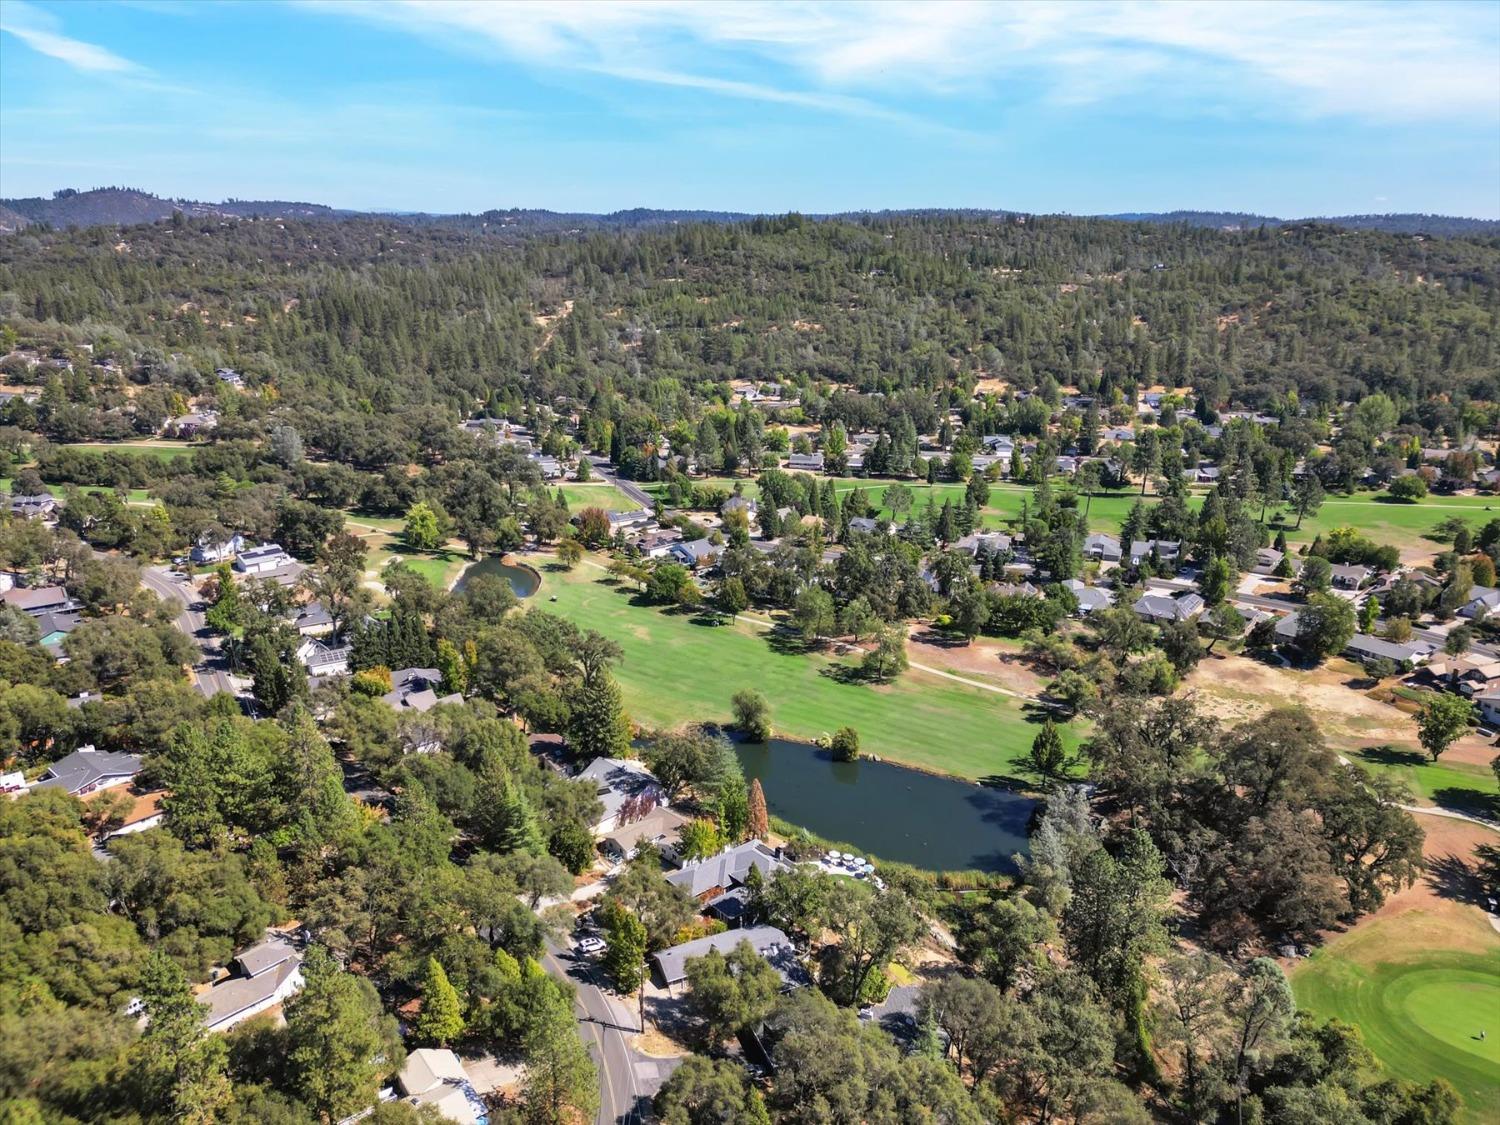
845	745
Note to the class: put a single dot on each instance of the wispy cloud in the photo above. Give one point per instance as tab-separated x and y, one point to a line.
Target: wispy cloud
1359	58
38	30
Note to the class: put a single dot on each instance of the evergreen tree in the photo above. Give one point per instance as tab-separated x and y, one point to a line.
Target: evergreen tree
180	1063
441	1019
759	823
339	1044
599	727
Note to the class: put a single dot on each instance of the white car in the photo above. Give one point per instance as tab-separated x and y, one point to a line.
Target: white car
590	945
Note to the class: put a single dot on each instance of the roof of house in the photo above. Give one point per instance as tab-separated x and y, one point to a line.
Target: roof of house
729	867
863	523
1175	607
231	996
266	954
618	780
313	614
426	1067
768	941
1167	548
1099	541
264	551
87	766
659	822
697	550
1090	597
1362	644
424	700
1347	571
35	599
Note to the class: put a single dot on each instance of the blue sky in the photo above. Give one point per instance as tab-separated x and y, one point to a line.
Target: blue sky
1290	108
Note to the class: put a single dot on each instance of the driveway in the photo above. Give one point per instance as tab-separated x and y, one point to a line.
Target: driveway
209	671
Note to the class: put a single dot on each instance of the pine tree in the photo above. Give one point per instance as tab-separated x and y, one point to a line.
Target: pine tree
441	1020
518	830
599	727
759	823
181	1063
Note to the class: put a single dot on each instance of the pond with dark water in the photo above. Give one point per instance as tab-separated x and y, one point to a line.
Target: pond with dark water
523	579
894	813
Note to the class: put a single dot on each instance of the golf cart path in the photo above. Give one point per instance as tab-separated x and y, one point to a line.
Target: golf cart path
763	623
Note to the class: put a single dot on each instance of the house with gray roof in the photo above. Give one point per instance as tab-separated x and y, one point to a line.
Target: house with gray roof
1167	550
620	782
87	770
805	462
1090	598
261	977
711	877
1102	548
698	552
1162	608
773	945
1363	647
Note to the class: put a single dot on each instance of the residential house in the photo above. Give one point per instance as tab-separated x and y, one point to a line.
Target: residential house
1163	608
1267	559
145	812
38	601
627	790
995	542
415	689
1347	577
661	827
658	544
1142	550
867	525
1364	647
1102	548
738	504
262	560
313	620
637	519
1015	590
230	376
1482	601
190	425
550	467
87	770
209	551
1468	675
1090	598
322	660
434	1076
773	945
260	977
1118	434
43	506
805	462
711	877
700	552
54	628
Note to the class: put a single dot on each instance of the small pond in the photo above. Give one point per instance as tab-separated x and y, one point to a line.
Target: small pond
936	823
523	579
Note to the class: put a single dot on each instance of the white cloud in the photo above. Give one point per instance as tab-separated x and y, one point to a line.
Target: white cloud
1306	57
39	32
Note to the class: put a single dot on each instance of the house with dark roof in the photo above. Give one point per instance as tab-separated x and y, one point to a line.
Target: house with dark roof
38	601
1090	598
322	660
699	552
313	620
805	462
1363	647
87	770
1102	548
1167	550
772	945
42	506
705	879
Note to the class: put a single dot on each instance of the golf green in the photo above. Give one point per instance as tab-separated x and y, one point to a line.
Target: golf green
1425	1011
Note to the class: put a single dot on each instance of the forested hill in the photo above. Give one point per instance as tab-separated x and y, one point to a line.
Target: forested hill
113	206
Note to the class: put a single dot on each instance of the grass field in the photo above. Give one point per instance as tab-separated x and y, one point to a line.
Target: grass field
161	450
1455	785
606	496
680	669
1420	986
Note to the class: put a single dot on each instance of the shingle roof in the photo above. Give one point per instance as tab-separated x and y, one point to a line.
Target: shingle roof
727	868
88	766
768	941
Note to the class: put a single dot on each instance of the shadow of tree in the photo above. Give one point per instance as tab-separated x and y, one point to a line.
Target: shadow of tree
1392	756
1450	877
1471	801
845	674
788	642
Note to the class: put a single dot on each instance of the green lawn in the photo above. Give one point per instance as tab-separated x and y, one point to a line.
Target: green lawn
1402	525
1456	785
1420	987
679	669
606	496
439	568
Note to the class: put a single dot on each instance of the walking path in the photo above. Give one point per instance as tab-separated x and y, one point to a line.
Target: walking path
767	624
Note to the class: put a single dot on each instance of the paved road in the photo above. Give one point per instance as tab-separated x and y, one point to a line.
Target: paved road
627	1078
208	673
606	472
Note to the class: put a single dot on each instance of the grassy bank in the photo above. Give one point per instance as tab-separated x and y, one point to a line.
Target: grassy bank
680	668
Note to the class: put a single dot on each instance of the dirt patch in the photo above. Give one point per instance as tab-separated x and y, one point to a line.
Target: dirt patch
980	660
1472	750
1236	689
991	387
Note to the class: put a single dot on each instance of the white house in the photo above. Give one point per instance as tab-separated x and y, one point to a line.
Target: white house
264	559
261	977
208	552
436	1077
87	770
623	786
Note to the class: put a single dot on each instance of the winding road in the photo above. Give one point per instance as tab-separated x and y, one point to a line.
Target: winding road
208	671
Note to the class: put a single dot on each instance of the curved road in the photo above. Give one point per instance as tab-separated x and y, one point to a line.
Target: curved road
627	1079
208	671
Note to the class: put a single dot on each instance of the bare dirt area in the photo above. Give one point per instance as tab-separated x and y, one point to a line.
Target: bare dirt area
1472	750
981	660
1236	689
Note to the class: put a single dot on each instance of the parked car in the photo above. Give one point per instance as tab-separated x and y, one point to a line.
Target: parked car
590	945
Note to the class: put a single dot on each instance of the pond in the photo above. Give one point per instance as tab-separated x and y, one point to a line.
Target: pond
523	579
895	813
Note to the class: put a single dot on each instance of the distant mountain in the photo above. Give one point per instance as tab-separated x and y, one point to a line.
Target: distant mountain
1393	224
127	206
114	206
